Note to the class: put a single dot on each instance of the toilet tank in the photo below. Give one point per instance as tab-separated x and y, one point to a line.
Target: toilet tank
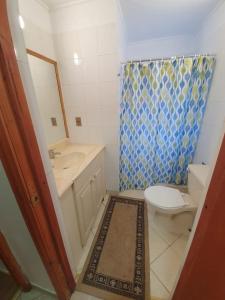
197	179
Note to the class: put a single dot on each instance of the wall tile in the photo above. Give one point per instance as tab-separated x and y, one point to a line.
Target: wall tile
38	39
112	167
71	73
74	95
91	90
75	111
80	135
108	40
88	42
92	98
108	67
110	135
109	94
90	65
94	117
67	44
110	116
96	135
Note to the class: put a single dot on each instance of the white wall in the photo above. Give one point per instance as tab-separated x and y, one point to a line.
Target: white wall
38	29
162	47
47	93
91	90
211	38
18	237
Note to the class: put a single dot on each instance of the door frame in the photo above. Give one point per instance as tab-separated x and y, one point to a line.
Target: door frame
20	156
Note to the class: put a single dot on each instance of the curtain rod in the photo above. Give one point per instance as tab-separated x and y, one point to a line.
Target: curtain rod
165	58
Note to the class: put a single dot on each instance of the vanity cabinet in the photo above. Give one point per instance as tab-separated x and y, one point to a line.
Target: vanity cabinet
89	191
72	228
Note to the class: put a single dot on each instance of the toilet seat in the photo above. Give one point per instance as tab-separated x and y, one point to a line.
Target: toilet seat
165	197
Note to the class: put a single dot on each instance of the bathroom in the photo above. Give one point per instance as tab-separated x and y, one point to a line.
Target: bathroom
74	59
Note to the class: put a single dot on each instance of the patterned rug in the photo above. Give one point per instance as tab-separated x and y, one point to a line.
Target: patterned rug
118	263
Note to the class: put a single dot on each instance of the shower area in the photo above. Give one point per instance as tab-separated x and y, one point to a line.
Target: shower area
162	107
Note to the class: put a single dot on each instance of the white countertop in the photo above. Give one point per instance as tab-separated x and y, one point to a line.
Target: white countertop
71	162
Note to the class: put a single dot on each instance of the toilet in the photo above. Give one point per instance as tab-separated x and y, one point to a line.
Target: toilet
170	200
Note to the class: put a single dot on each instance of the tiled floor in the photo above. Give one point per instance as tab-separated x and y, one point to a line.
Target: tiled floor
167	244
166	253
166	250
35	294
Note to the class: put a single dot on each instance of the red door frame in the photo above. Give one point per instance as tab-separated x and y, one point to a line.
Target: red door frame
22	161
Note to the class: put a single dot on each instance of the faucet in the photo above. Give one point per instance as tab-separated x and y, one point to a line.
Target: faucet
52	153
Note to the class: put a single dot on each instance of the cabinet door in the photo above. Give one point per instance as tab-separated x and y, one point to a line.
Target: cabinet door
86	210
72	226
99	187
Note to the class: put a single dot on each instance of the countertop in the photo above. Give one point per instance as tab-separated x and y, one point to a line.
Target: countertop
71	161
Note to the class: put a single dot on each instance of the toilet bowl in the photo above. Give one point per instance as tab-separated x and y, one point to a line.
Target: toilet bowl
170	200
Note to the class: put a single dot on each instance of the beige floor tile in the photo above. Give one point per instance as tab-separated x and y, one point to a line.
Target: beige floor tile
180	244
157	289
82	296
156	244
36	294
138	194
162	228
166	267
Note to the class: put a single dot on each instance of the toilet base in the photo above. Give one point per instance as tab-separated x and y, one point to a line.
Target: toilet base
179	223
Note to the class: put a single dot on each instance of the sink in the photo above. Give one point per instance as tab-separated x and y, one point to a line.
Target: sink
68	161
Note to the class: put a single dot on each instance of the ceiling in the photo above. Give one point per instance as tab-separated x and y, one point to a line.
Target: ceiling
147	19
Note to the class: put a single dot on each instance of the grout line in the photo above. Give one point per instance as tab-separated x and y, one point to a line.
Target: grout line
168	247
160	281
159	254
181	255
158	232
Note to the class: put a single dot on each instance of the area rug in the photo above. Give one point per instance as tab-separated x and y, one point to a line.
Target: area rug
117	266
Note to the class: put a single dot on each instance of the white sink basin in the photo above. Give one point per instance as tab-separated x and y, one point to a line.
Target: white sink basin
68	161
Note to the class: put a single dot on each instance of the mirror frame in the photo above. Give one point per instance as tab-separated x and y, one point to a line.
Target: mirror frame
54	63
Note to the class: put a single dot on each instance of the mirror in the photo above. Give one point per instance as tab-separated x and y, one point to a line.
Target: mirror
45	76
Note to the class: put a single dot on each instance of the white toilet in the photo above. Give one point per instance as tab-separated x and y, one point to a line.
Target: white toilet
170	200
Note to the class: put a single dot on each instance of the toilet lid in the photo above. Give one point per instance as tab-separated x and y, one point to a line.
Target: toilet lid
164	197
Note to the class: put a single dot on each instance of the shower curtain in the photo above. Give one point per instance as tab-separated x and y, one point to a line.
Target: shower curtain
162	107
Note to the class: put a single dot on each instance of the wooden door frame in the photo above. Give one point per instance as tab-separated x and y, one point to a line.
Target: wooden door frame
20	156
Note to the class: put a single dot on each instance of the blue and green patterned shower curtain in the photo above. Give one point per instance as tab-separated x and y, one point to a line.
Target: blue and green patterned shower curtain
162	107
